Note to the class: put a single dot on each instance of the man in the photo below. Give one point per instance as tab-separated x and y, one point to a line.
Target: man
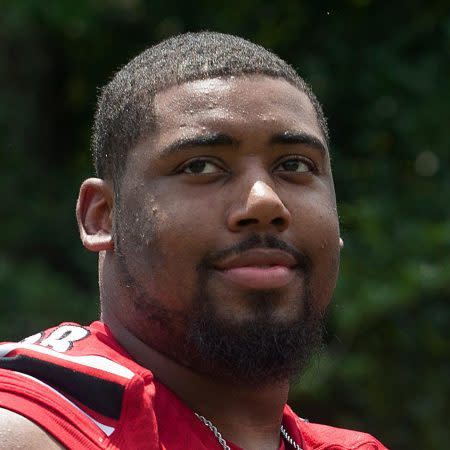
215	221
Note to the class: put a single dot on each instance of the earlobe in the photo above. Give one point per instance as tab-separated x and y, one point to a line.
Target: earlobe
94	207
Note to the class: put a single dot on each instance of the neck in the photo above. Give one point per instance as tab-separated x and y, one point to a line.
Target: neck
250	417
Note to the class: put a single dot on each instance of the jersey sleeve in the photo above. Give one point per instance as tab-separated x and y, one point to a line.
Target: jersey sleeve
50	410
79	386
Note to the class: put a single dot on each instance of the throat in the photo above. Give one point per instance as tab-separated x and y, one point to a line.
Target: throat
248	415
254	444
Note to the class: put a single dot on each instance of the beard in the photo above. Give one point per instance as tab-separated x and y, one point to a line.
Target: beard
256	351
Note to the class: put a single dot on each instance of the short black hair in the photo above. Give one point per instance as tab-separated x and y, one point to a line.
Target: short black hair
125	107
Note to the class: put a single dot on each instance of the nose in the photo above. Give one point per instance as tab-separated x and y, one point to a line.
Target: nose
261	211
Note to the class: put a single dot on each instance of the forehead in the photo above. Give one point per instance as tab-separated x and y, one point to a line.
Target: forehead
256	101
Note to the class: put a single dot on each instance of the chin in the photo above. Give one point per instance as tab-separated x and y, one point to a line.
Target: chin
267	341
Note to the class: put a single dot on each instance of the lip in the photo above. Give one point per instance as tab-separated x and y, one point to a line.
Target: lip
258	268
257	257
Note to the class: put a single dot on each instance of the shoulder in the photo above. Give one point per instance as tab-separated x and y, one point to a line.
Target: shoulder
71	343
18	432
71	381
324	437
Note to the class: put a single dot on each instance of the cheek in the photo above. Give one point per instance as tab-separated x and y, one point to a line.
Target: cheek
315	219
192	217
318	231
137	224
165	240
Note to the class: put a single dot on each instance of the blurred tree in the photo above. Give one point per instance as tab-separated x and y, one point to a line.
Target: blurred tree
382	71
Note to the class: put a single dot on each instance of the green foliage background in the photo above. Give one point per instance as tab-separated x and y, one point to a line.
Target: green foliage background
382	71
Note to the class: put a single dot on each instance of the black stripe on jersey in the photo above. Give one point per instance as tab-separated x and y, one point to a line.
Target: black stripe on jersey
102	396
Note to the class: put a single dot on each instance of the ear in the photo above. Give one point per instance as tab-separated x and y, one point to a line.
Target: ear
94	214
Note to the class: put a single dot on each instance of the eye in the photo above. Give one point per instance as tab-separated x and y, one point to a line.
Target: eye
296	165
200	167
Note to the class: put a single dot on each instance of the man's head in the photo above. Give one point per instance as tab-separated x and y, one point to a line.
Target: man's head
221	250
125	112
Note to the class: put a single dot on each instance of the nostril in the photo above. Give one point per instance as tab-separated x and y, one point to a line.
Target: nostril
278	222
244	222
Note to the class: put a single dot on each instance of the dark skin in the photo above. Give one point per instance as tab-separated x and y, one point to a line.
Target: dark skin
230	158
214	172
19	433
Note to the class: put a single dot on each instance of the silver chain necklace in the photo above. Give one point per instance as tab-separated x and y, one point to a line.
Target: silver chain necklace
224	444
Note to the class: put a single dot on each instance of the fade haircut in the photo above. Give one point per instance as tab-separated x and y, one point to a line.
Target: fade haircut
125	114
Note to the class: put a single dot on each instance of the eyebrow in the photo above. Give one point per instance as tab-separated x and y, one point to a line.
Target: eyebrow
222	139
299	137
203	140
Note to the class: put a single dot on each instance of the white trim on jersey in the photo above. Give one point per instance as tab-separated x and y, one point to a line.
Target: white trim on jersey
93	361
105	428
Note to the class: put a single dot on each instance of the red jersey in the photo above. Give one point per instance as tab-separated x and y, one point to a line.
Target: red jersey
82	387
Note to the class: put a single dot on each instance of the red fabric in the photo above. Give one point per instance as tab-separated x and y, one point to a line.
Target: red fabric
151	417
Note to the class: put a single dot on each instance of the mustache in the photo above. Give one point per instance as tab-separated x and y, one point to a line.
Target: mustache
258	241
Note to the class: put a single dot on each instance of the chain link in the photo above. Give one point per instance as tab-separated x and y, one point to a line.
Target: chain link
216	432
224	444
288	438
